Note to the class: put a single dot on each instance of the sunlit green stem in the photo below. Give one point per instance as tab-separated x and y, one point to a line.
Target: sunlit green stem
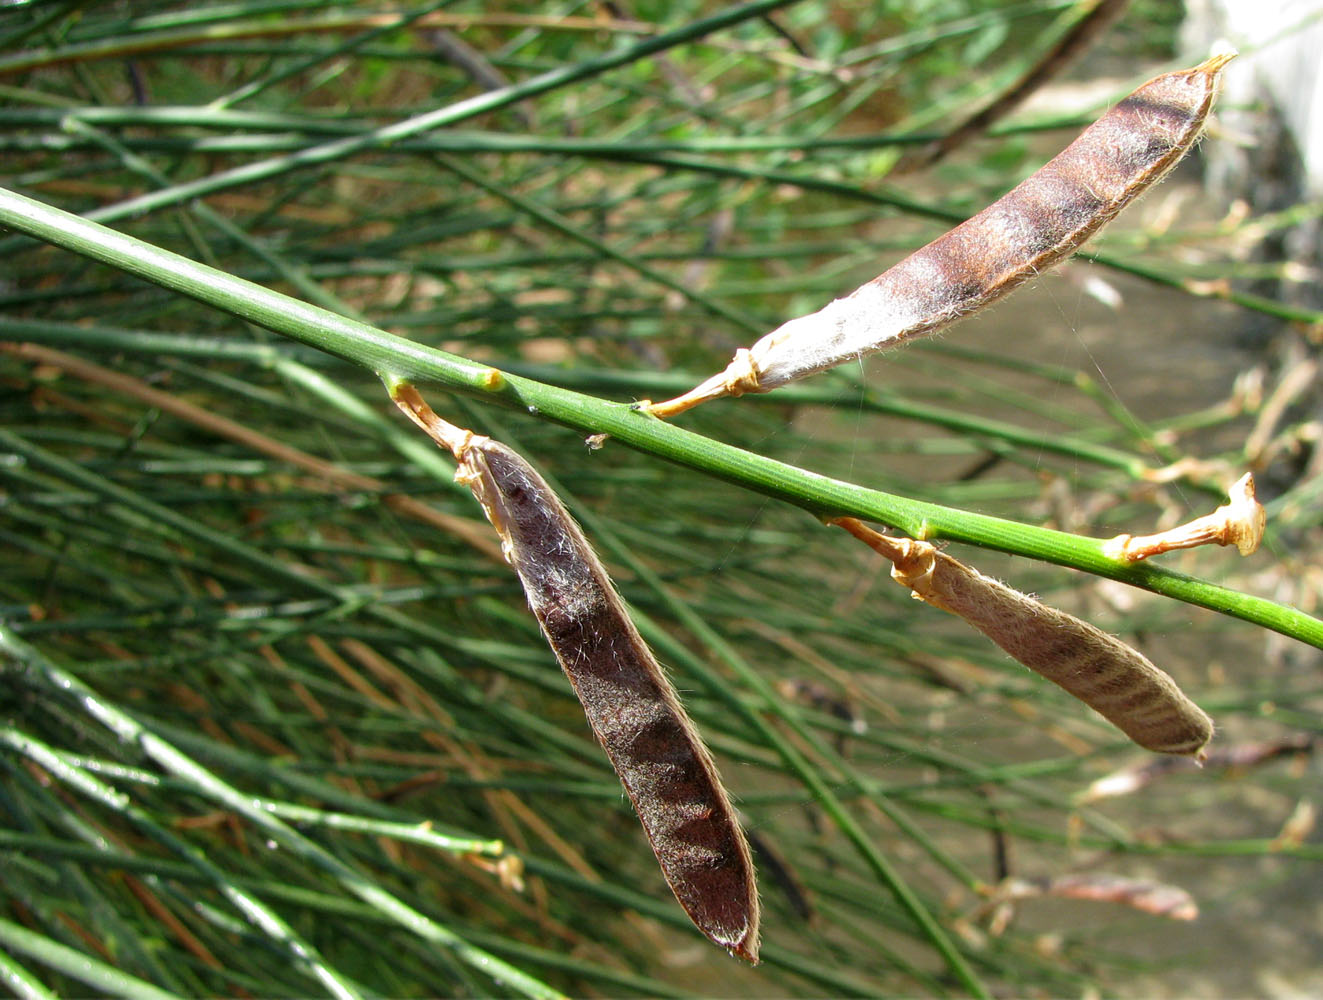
395	358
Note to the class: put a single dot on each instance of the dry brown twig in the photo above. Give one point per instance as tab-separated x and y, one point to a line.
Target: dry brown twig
1145	895
470	532
1236	757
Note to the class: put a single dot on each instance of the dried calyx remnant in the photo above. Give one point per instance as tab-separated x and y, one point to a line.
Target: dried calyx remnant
1030	229
1113	679
633	709
1240	523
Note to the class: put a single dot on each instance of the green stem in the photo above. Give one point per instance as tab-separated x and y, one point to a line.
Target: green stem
1213	290
104	979
394	358
557	222
210	786
337	149
22	983
282	935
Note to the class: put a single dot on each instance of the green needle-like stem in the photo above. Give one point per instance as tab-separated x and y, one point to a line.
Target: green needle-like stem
397	359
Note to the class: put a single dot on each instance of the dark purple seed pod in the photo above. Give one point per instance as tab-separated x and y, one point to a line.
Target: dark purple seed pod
633	709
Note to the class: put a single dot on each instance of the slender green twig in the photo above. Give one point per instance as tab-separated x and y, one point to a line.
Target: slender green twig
170	758
210	526
335	150
299	950
395	358
102	978
22	983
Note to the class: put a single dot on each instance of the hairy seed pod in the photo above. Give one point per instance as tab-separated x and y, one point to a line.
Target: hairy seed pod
1030	229
633	709
1113	679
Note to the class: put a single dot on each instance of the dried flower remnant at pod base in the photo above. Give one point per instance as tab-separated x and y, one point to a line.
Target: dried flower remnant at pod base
633	709
1240	523
1113	679
1035	226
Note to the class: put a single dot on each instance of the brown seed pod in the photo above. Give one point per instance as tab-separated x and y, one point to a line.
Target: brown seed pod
1035	226
633	709
1237	757
1157	898
1113	679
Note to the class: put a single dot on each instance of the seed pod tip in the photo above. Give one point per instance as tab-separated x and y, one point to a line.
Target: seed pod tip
1221	54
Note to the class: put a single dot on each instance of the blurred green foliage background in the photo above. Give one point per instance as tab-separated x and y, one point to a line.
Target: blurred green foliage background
278	767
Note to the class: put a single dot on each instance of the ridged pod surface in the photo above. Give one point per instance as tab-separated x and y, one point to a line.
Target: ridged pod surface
1033	227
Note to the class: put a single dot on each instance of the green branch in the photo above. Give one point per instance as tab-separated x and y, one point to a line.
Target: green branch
388	135
396	358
